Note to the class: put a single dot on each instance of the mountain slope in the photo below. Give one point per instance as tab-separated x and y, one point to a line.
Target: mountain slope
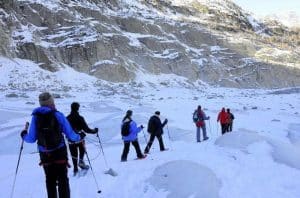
213	41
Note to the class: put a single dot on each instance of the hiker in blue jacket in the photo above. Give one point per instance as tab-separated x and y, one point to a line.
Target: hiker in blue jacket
47	126
132	131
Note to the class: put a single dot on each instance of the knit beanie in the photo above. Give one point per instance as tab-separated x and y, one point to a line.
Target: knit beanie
129	113
157	113
75	106
46	99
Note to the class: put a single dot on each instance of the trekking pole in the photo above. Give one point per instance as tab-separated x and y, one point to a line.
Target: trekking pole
102	149
169	136
87	156
209	127
110	171
19	158
145	136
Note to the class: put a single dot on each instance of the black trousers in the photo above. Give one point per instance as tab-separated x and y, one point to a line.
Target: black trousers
57	175
74	148
160	140
224	128
136	145
229	128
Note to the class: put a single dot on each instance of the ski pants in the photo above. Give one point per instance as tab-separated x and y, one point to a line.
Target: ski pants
203	127
57	175
160	140
74	148
136	145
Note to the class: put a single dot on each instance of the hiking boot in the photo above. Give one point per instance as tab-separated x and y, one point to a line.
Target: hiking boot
82	165
142	157
75	172
165	149
123	160
206	138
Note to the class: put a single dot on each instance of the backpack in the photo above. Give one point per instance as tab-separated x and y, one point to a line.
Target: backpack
48	131
151	126
125	130
195	116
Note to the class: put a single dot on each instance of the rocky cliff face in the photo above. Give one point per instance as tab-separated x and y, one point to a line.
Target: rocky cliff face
213	41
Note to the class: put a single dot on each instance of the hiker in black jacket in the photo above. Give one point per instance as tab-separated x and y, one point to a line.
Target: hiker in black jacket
79	125
155	128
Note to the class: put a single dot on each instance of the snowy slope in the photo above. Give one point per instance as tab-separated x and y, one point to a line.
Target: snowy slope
259	159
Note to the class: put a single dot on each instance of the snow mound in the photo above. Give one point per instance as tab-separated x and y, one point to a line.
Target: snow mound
238	140
185	179
281	152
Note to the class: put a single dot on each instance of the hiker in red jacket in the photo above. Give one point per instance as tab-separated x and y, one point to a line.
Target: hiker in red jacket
223	118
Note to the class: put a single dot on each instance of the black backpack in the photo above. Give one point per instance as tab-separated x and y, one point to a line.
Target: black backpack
195	116
48	131
151	125
125	130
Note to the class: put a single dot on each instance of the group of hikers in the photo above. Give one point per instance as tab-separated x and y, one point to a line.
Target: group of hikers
48	124
224	117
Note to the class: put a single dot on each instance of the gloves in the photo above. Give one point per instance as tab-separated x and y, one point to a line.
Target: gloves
208	117
165	122
142	126
82	135
96	130
23	133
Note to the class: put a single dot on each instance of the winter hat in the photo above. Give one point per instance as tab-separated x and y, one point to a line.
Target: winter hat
46	99
75	106
157	113
129	113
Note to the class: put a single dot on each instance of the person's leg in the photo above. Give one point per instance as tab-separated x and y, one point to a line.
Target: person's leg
223	129
152	136
230	127
50	174
161	143
137	149
74	154
125	151
63	181
81	147
198	134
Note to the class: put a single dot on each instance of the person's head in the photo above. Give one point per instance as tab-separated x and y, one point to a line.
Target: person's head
223	109
157	113
199	107
228	110
46	99
128	115
75	106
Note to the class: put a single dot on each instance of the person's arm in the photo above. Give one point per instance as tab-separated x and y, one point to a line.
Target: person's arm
66	127
133	127
30	137
219	115
204	116
85	127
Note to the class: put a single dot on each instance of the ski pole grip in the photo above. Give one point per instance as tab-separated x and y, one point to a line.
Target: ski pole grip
26	125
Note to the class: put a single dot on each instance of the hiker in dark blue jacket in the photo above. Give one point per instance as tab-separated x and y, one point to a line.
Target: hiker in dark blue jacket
131	137
52	147
155	128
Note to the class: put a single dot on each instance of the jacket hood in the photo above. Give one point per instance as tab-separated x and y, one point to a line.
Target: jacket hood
42	110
